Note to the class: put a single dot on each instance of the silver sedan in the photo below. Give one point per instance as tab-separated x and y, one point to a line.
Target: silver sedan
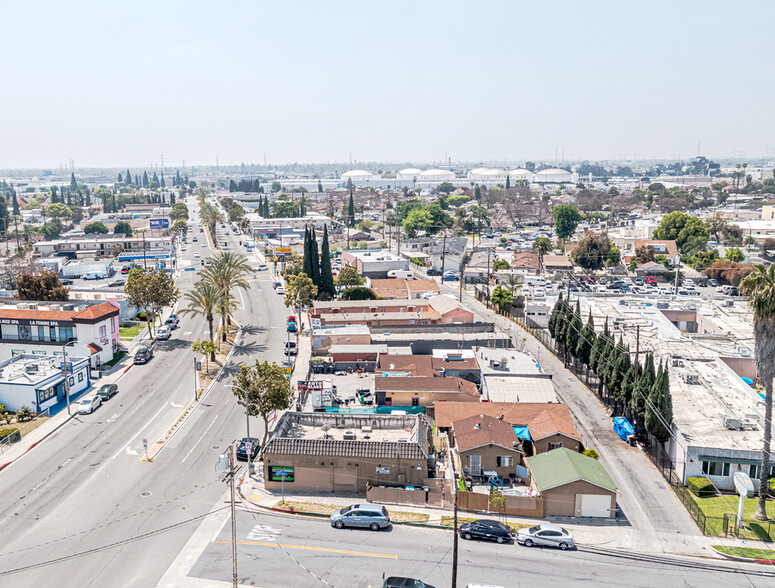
547	535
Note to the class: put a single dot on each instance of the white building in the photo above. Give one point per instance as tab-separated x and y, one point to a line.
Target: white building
487	175
360	176
375	263
39	382
521	174
555	176
433	177
408	174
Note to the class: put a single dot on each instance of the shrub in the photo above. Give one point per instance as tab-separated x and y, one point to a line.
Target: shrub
701	486
24	414
5	431
591	453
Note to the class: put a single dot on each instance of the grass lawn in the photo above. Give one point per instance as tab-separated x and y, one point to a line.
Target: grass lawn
129	332
447	521
116	358
398	516
746	552
715	507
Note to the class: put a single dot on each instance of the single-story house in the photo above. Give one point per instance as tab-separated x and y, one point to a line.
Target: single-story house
572	484
486	445
557	262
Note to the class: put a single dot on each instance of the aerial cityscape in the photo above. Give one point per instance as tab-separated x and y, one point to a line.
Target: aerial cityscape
387	296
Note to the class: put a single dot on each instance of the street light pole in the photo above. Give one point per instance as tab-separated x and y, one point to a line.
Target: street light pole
64	370
247	425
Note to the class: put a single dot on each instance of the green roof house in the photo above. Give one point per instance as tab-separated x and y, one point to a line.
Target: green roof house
572	484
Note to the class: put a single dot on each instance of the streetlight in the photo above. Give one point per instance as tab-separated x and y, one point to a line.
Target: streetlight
64	370
247	426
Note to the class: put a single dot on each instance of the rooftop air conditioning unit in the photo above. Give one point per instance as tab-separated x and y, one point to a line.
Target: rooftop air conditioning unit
729	303
366	429
31	368
732	423
676	362
662	305
68	307
692	378
403	439
349	435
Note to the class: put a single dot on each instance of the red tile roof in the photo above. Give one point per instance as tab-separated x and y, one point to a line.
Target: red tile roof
96	312
50	315
94	348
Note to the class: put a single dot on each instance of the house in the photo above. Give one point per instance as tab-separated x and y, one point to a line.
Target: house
650	268
319	452
572	484
439	309
450	310
668	248
487	446
375	263
545	426
42	328
557	262
443	363
422	390
525	262
448	254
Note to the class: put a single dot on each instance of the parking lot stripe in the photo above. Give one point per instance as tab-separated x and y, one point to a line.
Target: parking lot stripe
309	548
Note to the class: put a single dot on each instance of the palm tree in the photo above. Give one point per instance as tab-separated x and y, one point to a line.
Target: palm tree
760	287
515	282
542	245
205	299
228	271
210	216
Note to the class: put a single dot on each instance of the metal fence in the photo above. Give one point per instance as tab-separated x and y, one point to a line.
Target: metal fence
23	429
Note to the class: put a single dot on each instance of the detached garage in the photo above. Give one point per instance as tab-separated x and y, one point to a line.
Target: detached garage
572	484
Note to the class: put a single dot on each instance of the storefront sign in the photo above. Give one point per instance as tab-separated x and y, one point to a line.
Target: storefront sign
381	470
36	322
283	250
280	473
307	385
159	223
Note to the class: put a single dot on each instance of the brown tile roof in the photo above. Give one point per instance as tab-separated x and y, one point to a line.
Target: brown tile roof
524	260
418	365
422	285
467	363
481	429
557	261
425	384
390	288
96	312
670	245
94	348
541	419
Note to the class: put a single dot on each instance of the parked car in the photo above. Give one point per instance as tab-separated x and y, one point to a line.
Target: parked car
290	348
651	280
291	327
486	529
172	322
450	278
66	282
89	404
638	281
402	582
144	354
713	282
116	283
546	535
370	516
433	272
276	285
107	391
280	290
242	453
163	333
196	255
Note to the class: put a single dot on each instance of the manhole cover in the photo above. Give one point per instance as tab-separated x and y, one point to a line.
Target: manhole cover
146	493
216	446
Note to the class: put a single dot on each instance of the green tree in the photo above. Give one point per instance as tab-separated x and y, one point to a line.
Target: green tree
680	227
228	271
123	228
15	205
179	211
359	293
542	245
58	210
659	409
150	290
43	286
96	227
445	188
348	277
586	341
575	330
326	275
314	258
206	348
320	187
592	251
236	213
351	211
554	316
501	296
210	216
642	390
180	226
501	264
734	254
300	291
52	229
759	286
566	218
285	209
276	187
205	299
268	391
598	346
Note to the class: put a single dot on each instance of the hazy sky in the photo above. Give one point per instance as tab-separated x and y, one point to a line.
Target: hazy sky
119	83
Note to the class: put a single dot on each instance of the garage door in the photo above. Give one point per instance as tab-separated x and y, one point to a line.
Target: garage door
595	505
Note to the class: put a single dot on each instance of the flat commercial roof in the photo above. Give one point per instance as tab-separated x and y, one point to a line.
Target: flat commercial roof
519	389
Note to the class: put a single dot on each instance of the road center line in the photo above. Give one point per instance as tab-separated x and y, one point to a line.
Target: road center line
140	430
381	555
200	438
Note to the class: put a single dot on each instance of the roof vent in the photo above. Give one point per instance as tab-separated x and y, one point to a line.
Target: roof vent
403	439
349	435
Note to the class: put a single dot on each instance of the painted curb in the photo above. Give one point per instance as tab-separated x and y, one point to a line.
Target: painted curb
743	559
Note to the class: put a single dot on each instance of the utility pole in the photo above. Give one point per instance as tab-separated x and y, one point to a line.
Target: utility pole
143	250
195	385
443	251
454	527
637	341
488	275
232	475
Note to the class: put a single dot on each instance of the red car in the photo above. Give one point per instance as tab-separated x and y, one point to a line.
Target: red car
651	280
292	319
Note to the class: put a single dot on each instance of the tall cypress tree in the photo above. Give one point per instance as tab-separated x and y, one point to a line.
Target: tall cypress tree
128	178
642	390
508	182
326	275
586	341
597	348
15	205
320	187
73	183
307	265
313	248
351	211
145	179
554	316
574	330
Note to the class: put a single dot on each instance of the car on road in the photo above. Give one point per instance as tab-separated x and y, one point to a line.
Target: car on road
402	582
291	326
144	354
66	282
116	283
486	529
125	269
107	391
290	348
263	267
368	516
196	255
172	322
280	290
163	333
713	282
89	404
242	449
195	239
546	535
450	278
433	272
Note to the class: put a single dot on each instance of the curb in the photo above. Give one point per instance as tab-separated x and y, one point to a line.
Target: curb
743	559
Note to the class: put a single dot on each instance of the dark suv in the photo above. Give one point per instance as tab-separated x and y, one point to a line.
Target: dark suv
107	391
486	529
144	355
242	450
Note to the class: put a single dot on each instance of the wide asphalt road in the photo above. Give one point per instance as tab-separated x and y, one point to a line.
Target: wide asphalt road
276	551
84	509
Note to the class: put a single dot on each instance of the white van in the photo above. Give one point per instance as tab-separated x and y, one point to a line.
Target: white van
401	274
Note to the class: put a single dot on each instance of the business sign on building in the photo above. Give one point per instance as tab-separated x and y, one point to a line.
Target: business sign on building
160	223
36	322
284	250
280	473
307	385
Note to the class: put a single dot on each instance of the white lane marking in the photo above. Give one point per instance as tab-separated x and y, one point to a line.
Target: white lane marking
227	401
130	451
242	300
263	533
69	459
114	417
173	405
186	333
140	430
198	440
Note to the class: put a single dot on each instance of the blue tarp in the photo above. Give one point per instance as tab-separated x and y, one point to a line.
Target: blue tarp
748	381
623	428
522	432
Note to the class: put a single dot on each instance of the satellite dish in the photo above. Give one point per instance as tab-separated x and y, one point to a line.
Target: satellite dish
743	484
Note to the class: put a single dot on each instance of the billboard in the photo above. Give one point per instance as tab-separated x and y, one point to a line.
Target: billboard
286	250
160	223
